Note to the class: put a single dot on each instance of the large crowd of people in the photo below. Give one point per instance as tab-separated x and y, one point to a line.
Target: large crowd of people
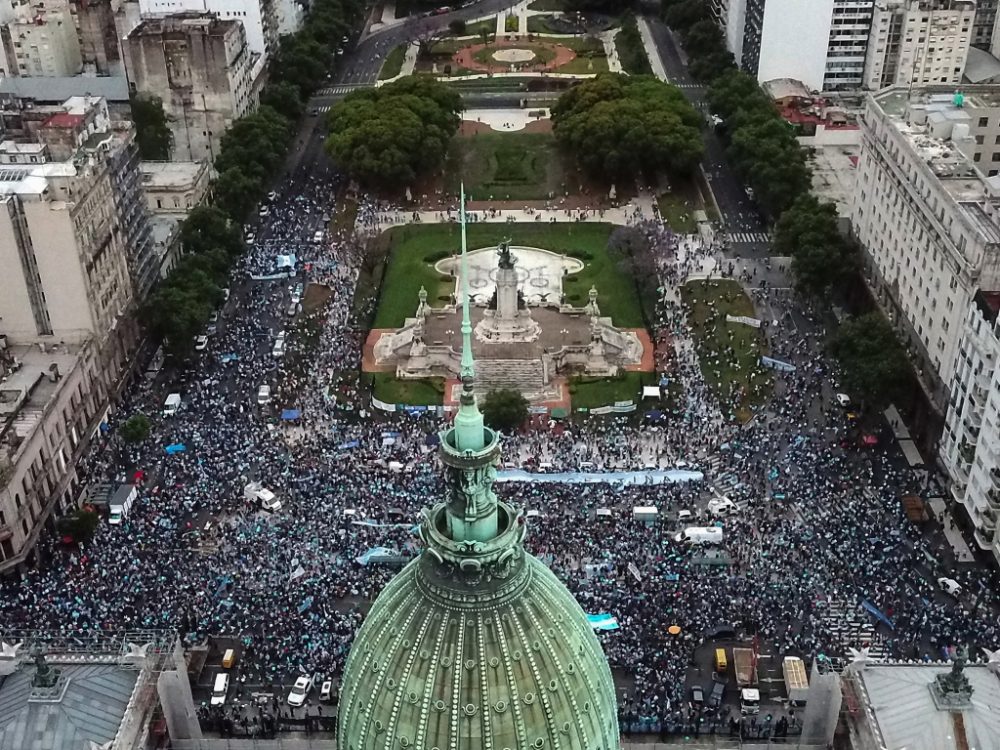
816	524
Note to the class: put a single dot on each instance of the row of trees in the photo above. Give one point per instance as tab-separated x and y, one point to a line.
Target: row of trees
251	152
763	148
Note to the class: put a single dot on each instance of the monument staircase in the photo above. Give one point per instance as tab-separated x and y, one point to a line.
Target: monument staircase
524	375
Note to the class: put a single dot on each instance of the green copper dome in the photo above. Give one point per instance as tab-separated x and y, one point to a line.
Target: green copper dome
475	645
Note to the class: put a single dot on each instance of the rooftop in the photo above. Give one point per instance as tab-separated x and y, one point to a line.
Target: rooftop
64	120
834	170
902	710
58	89
981	66
168	174
88	712
193	20
26	392
32	179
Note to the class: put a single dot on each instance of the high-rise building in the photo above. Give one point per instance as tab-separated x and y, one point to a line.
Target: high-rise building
918	42
203	71
259	17
820	44
100	50
926	215
475	643
982	26
970	444
39	39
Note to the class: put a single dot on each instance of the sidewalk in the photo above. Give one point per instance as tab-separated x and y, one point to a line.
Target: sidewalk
610	50
651	52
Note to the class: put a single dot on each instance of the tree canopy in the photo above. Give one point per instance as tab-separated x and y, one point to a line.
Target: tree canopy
135	429
620	127
390	135
505	409
152	131
874	363
821	255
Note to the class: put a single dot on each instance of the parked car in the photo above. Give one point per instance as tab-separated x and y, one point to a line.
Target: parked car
697	695
264	395
718	692
326	691
950	586
300	690
200	343
843	399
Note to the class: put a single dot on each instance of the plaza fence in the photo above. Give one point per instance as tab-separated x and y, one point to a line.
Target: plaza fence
619	407
253	744
407	408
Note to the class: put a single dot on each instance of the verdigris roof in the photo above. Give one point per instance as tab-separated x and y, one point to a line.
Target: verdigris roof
508	661
90	708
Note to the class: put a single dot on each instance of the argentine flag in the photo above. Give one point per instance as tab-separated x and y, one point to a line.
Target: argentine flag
603	621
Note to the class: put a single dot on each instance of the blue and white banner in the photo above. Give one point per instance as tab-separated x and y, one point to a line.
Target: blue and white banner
603	621
654	476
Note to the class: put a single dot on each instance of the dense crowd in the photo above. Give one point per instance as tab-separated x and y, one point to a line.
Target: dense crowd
817	524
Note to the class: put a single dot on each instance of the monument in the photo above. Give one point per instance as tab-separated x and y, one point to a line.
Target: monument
510	320
476	643
531	349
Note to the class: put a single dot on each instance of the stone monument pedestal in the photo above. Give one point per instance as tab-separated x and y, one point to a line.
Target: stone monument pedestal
509	323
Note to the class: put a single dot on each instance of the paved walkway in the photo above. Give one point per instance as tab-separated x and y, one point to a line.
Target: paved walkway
611	50
651	52
951	531
637	209
389	12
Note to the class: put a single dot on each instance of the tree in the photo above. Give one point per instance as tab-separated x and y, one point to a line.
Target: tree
387	137
683	15
457	27
874	363
80	526
135	429
505	409
283	97
808	232
703	38
236	193
208	228
622	127
712	66
152	131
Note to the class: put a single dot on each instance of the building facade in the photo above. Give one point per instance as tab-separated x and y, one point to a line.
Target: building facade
202	70
100	50
259	17
75	248
970	443
982	26
918	42
39	38
925	214
850	27
174	187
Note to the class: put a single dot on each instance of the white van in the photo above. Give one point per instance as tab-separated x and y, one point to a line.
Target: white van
279	348
645	513
121	503
172	404
700	535
220	689
318	235
264	395
721	506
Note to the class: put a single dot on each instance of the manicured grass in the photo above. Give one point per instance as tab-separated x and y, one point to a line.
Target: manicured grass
507	166
511	23
476	29
588	393
555	5
677	207
393	64
414	248
631	51
590	57
425	392
540	25
729	353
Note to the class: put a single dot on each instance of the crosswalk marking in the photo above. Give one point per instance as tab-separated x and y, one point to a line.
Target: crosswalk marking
747	237
687	85
342	88
322	110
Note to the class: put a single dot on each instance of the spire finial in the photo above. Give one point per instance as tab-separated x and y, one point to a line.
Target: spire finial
469	420
468	365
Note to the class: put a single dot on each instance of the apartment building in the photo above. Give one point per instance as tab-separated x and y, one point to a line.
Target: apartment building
982	26
925	214
39	38
100	50
202	69
260	18
72	241
918	42
820	43
970	443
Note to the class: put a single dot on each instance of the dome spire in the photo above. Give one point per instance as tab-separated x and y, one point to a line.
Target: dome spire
469	420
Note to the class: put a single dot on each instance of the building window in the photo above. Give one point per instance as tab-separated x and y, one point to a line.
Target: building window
984	122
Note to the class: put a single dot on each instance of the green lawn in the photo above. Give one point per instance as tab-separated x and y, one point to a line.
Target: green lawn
477	28
677	206
511	23
508	166
540	25
427	392
414	248
393	64
588	393
729	353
